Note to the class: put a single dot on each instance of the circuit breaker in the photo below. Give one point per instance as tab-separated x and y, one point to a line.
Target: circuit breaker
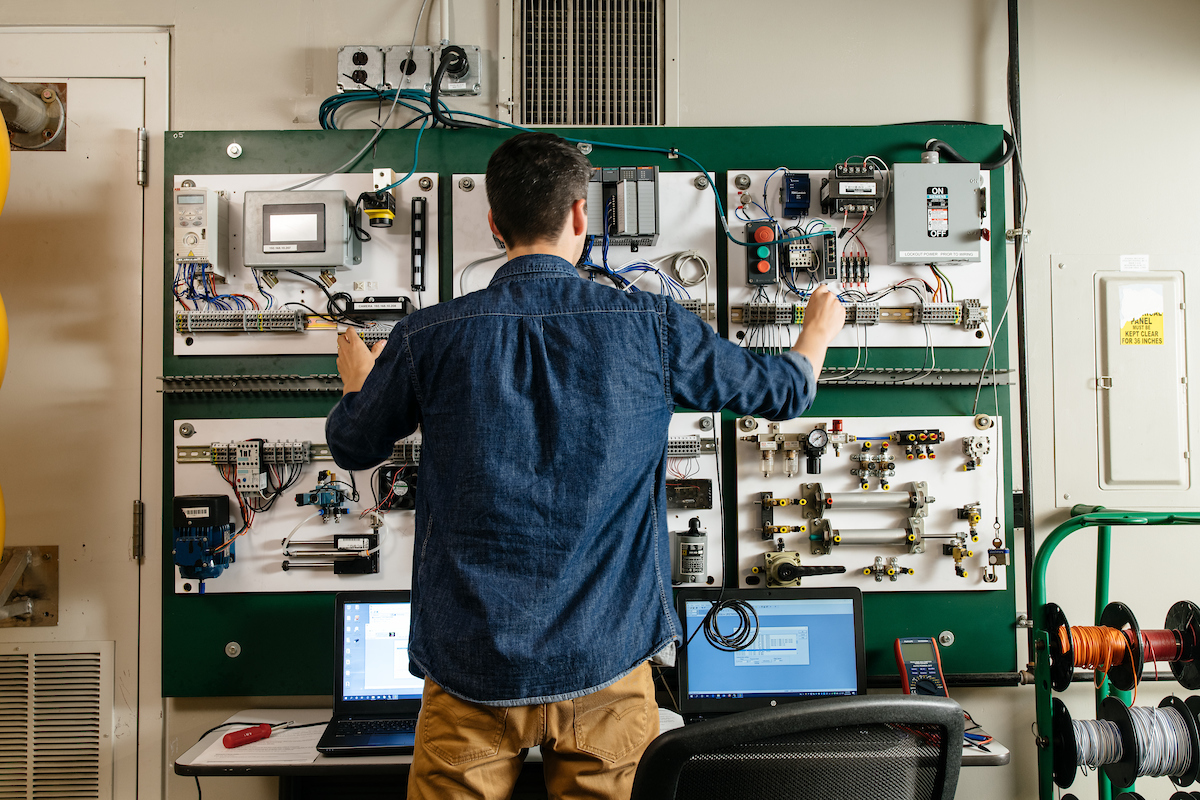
937	214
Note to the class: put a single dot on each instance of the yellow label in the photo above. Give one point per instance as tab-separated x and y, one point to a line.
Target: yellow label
1146	329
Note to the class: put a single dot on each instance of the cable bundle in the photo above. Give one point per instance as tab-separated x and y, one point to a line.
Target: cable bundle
1097	742
1164	746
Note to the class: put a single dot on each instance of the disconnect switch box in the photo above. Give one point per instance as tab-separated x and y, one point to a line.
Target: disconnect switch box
936	213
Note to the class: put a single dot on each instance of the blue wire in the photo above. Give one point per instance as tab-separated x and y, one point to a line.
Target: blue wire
416	153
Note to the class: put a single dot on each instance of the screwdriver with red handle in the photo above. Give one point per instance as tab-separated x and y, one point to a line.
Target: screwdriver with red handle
252	734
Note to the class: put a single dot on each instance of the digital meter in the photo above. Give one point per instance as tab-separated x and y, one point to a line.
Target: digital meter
920	666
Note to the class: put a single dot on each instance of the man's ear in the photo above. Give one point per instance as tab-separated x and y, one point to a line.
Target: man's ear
579	218
496	231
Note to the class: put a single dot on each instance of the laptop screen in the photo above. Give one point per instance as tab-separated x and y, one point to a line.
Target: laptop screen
375	652
808	644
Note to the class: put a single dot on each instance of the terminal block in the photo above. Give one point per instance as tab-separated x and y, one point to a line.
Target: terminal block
862	314
889	569
700	308
289	321
690	447
374	334
784	569
406	453
273	453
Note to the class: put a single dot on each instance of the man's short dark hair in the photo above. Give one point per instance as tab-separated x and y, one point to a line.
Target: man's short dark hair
532	181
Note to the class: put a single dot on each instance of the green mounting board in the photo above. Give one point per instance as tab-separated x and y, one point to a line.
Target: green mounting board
287	639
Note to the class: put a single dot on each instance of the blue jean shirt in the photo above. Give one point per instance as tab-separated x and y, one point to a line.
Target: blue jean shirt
541	569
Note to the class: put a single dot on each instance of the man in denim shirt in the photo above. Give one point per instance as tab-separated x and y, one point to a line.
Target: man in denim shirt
541	572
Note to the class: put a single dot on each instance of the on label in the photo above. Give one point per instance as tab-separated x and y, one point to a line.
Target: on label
937	205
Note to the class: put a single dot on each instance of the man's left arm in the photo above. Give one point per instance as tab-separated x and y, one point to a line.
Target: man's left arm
378	405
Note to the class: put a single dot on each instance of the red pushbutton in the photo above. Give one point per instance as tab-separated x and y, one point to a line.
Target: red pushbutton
763	266
764	234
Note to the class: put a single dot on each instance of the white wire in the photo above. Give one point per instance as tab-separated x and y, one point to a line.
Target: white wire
382	125
287	539
462	277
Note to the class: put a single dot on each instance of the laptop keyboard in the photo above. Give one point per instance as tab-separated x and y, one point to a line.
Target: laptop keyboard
359	727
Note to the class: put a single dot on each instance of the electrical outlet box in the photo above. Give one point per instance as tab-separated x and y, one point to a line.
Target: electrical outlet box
936	214
400	72
359	67
467	79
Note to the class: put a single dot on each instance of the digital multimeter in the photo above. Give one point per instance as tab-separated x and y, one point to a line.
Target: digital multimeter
920	666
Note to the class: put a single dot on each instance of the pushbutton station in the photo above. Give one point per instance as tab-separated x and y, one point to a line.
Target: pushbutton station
762	259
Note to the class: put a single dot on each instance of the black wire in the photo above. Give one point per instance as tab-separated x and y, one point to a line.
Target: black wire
438	114
199	794
359	233
331	310
953	155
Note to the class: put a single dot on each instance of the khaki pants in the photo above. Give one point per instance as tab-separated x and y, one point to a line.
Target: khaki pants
590	745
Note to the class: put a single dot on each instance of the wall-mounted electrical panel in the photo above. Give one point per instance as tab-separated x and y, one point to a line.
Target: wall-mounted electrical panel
683	252
842	242
201	224
903	503
257	304
937	214
313	526
360	67
1121	364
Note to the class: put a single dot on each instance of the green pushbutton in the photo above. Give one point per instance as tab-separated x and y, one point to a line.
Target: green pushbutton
763	251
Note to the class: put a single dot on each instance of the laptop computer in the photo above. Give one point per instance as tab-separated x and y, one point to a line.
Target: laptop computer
809	643
376	700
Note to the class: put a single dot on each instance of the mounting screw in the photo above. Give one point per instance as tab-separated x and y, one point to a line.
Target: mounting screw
47	95
233	649
234	150
48	134
466	184
1066	497
706	423
188	184
585	148
946	638
747	423
187	429
701	182
983	422
742	181
426	184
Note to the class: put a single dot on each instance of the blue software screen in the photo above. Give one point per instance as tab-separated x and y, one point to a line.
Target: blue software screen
803	647
375	664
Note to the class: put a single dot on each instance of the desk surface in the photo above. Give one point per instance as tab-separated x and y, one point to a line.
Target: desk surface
321	764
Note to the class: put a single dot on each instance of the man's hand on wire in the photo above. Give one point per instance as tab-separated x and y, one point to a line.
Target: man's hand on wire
355	361
824	317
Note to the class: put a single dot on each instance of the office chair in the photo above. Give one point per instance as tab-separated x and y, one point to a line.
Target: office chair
879	747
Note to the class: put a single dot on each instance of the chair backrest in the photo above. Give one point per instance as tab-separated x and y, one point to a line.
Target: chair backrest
877	747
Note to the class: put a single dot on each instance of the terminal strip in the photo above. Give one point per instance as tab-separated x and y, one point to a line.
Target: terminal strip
700	308
970	314
376	333
276	453
275	321
690	447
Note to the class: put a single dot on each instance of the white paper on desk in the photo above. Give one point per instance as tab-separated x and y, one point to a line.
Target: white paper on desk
288	746
668	720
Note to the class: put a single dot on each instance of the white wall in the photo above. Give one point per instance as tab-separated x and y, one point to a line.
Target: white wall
1110	100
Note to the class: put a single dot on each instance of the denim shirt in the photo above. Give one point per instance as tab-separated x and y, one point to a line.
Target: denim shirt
541	569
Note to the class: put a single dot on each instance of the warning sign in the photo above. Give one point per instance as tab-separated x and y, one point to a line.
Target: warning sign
1142	314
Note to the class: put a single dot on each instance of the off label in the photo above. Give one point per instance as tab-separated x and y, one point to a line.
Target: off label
937	203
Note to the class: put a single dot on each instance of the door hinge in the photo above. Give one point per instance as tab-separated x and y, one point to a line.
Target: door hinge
139	531
142	167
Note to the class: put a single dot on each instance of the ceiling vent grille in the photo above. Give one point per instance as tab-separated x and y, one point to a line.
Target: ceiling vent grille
55	723
590	62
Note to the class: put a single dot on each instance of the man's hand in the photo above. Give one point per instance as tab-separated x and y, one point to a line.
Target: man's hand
824	317
355	361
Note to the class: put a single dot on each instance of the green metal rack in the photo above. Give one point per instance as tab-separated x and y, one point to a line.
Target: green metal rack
1103	521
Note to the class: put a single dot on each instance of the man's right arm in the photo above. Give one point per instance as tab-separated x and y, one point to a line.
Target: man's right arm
709	373
365	424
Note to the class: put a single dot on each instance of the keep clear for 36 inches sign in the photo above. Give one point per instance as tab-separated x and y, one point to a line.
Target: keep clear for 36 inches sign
1142	314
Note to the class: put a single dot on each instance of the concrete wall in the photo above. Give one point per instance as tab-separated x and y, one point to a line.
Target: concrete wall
1109	90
